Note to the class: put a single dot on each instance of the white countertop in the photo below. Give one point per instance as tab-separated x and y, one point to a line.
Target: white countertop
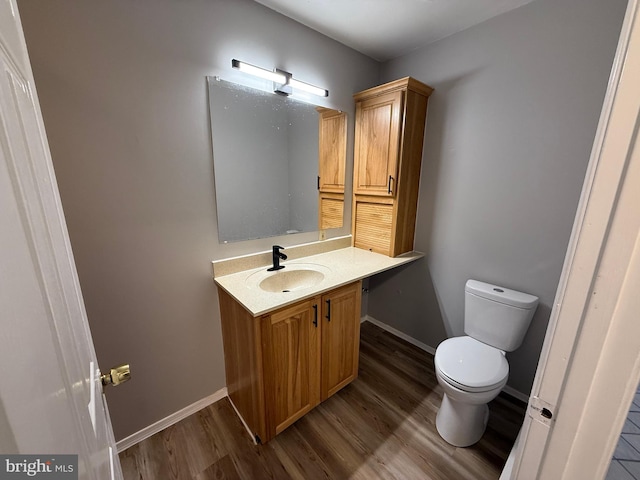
339	267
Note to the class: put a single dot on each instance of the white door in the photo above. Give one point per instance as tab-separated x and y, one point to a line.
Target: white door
51	399
590	364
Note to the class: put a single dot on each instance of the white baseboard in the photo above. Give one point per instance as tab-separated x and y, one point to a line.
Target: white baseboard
423	346
516	394
398	333
175	417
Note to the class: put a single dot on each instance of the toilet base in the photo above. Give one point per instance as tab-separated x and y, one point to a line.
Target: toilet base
461	424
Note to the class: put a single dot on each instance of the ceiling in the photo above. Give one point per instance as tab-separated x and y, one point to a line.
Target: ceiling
385	29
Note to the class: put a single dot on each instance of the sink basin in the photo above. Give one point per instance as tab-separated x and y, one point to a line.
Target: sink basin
292	278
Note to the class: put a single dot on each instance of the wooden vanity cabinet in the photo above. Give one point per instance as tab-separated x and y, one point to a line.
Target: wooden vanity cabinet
281	365
390	123
332	144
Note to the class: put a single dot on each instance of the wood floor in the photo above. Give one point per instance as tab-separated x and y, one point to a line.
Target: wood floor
382	426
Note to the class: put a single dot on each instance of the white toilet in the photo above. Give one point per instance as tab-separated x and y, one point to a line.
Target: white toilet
473	369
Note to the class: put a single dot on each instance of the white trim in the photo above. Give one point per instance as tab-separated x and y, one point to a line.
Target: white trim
423	346
398	333
516	393
112	469
172	419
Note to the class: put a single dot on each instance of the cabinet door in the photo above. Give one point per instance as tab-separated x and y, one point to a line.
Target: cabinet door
332	153
378	128
373	225
340	338
291	355
331	210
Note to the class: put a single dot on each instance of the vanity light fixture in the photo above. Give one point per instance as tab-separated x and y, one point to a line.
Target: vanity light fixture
284	82
275	77
307	87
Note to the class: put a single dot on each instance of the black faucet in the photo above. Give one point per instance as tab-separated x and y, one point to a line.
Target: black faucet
277	256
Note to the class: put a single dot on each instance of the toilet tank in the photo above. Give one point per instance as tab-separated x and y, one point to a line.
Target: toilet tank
497	316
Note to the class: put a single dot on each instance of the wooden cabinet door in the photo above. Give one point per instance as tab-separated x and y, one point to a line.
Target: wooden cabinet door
340	338
291	356
332	150
373	224
377	144
331	210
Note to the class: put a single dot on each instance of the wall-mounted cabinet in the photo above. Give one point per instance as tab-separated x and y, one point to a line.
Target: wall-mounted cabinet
390	123
332	136
281	365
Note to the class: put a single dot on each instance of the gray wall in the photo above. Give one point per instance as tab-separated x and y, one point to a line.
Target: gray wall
509	132
124	97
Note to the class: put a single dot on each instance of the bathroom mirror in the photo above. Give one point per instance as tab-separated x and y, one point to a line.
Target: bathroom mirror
266	154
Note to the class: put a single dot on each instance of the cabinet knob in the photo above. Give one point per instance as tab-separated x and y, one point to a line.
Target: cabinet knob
328	317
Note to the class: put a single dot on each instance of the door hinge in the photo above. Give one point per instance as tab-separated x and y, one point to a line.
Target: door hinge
541	411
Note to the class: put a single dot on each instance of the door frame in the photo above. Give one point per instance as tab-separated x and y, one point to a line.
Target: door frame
589	368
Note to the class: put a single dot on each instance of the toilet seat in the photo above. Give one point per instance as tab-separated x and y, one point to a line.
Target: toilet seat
471	365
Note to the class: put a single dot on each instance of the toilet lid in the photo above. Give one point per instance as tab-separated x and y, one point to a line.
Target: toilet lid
471	364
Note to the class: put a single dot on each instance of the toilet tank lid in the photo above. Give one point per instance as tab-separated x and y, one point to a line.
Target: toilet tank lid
501	294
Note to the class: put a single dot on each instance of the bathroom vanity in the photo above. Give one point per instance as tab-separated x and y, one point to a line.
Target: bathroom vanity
291	337
282	364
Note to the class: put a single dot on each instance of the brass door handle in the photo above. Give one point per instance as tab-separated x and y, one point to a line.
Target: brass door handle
116	375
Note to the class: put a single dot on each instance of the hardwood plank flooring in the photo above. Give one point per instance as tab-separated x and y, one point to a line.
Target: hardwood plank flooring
381	426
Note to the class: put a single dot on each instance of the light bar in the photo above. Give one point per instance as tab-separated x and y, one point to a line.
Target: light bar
307	87
258	72
283	81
